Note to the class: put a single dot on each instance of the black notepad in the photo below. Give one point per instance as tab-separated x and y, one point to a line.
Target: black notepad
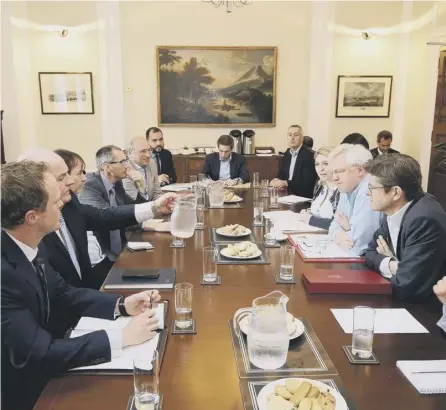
117	280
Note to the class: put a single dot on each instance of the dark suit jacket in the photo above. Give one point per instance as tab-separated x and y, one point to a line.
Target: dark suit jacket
30	353
80	219
167	165
375	152
304	176
237	166
94	193
420	249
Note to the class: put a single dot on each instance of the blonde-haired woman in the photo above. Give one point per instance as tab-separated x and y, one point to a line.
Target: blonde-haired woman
325	196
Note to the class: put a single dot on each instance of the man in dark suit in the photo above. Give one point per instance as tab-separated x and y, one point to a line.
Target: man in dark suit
161	156
296	169
103	189
31	291
226	165
384	141
67	248
409	246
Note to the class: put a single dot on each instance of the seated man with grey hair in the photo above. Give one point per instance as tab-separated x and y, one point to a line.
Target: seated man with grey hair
141	183
354	221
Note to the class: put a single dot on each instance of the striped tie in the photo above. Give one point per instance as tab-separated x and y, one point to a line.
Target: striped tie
69	244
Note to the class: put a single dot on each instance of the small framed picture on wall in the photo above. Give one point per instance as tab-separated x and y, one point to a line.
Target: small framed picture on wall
364	96
66	93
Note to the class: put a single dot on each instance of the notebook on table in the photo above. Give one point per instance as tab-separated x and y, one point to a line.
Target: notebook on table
119	278
427	376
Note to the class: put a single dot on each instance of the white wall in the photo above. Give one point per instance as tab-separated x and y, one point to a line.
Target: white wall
117	43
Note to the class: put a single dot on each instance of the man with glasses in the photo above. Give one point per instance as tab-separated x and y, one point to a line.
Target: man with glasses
103	189
409	246
354	221
141	183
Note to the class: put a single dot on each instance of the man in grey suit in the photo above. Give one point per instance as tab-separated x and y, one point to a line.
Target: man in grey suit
141	183
409	247
104	188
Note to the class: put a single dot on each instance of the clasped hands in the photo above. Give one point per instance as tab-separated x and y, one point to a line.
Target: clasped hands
278	183
143	326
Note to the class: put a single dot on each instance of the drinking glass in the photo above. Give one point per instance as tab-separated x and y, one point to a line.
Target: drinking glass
258	214
209	264
183	305
216	194
286	262
146	381
255	179
363	325
269	237
200	217
183	219
273	198
264	186
193	182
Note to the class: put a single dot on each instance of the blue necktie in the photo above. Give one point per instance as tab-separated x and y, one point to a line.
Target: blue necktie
39	266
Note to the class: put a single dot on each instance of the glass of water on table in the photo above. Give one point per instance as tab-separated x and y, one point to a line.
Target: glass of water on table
146	381
183	305
363	325
286	263
209	264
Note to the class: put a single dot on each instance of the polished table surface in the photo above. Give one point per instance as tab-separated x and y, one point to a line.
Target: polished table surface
199	371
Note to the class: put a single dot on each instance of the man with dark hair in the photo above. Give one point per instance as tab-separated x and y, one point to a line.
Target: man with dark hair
383	140
162	157
409	246
297	171
225	164
356	139
32	292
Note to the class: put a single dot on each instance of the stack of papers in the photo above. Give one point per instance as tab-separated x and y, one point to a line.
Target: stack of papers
176	187
386	321
125	361
427	376
292	199
321	247
287	221
139	246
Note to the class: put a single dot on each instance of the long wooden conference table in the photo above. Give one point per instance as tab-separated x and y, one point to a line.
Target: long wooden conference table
199	371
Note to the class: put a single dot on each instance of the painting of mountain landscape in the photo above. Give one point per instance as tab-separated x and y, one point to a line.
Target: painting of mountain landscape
216	85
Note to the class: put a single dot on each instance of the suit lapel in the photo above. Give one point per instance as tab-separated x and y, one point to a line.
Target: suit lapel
398	247
217	166
298	164
232	167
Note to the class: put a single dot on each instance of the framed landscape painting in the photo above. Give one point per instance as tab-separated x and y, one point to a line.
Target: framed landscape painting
364	96
216	86
66	93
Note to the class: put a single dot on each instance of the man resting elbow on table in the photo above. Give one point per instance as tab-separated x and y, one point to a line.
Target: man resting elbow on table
409	247
32	292
354	221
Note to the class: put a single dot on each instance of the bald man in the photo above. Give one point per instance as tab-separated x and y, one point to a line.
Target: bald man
142	183
67	248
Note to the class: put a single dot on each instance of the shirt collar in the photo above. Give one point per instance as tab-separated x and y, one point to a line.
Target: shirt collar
226	160
29	252
138	167
380	152
294	152
107	184
364	184
397	217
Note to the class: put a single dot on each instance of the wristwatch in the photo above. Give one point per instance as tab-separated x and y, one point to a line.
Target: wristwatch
121	306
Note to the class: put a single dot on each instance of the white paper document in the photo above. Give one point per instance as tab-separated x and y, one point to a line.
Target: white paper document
292	199
386	321
176	187
321	247
139	246
125	362
427	376
287	221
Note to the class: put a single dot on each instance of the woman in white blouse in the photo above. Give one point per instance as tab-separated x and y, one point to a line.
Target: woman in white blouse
326	195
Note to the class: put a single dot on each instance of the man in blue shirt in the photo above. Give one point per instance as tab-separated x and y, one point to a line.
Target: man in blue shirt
355	222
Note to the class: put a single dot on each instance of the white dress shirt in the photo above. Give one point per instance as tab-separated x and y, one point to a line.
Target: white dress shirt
225	168
114	337
442	321
294	153
394	224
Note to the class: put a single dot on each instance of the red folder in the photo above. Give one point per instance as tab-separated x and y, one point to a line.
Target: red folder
346	281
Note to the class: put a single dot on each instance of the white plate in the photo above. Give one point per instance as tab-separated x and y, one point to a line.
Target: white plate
269	389
300	328
224	252
280	237
248	232
234	201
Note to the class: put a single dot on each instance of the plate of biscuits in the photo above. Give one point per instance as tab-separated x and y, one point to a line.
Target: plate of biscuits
241	250
300	394
231	198
233	231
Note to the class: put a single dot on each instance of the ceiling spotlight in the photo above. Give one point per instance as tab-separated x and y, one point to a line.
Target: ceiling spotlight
64	33
365	35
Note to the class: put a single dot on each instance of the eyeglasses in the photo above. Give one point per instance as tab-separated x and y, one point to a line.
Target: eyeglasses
371	187
339	171
122	162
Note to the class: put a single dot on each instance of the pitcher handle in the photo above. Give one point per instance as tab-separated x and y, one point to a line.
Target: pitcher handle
238	316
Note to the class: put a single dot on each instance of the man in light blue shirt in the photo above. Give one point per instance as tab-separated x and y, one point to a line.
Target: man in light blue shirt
355	222
440	291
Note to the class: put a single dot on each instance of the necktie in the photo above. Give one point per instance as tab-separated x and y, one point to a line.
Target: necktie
69	244
158	162
39	266
115	236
